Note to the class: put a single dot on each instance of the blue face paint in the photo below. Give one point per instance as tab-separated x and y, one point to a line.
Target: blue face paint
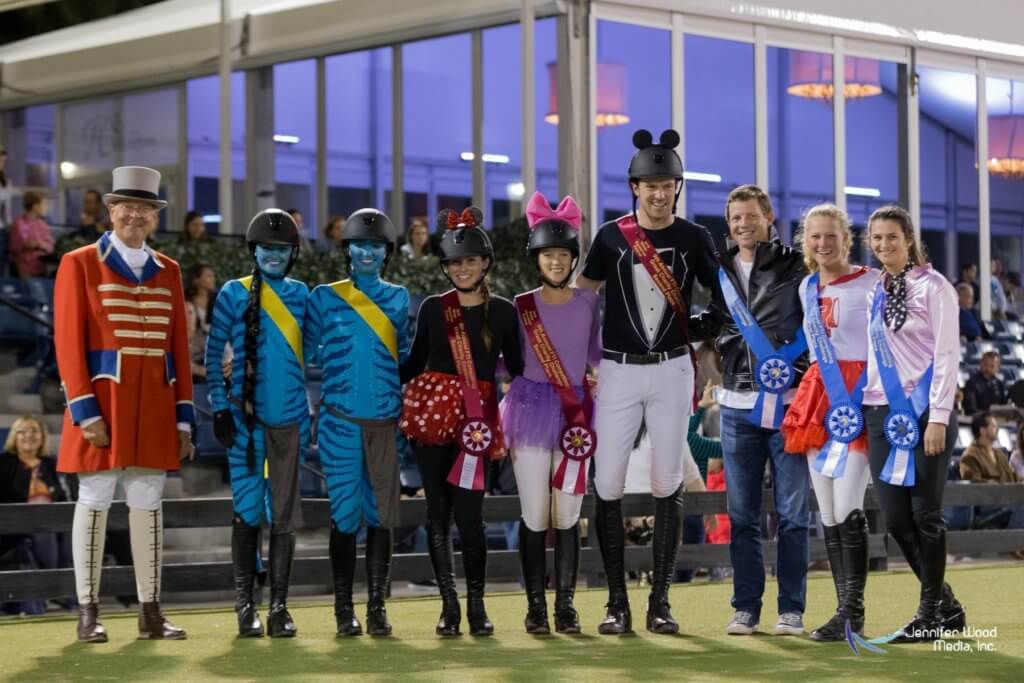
367	256
272	260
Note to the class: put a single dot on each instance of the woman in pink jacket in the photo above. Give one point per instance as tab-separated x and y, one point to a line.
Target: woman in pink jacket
913	359
30	238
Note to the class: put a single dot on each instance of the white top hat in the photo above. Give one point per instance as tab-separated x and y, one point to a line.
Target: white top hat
136	183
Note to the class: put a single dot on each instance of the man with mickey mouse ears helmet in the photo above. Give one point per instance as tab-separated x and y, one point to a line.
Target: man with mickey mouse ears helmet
647	260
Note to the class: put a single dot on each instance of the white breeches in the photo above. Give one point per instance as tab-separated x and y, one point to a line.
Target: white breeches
837	498
659	395
143	488
543	506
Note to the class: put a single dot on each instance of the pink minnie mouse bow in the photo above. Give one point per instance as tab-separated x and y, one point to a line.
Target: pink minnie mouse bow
539	210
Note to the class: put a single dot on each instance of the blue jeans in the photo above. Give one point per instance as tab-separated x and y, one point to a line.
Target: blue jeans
693	534
746	449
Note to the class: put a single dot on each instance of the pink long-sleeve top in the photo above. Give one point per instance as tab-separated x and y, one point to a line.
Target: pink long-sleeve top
29	240
931	333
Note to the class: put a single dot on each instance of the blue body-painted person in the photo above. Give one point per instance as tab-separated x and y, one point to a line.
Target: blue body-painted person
263	419
358	331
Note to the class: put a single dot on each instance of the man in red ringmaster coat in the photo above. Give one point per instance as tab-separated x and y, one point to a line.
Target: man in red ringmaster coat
122	352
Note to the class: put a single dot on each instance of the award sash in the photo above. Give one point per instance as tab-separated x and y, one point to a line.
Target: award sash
577	441
282	317
475	434
844	420
902	427
370	312
774	372
663	279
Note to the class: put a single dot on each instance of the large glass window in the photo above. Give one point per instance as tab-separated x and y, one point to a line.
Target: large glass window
801	156
295	140
1005	104
203	163
949	177
634	90
437	120
872	143
720	149
31	147
358	131
503	116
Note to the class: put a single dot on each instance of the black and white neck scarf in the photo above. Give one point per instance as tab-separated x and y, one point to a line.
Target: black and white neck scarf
895	313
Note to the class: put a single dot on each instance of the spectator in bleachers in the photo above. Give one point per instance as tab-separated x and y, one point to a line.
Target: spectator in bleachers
193	229
6	198
417	240
304	244
999	300
1017	458
200	295
91	224
30	239
969	277
986	463
985	388
330	241
27	475
971	327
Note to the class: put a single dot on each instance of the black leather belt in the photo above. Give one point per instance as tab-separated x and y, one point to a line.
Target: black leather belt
644	358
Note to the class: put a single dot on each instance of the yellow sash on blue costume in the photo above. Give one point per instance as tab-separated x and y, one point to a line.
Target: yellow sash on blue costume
370	313
282	317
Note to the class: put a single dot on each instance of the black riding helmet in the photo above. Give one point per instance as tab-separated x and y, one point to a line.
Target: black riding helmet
655	160
273	227
554	234
463	237
368	224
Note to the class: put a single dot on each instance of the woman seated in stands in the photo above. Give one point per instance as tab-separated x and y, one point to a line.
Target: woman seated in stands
200	296
985	463
30	240
27	475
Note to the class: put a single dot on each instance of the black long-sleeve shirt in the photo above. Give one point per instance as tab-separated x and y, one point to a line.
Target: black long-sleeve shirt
431	350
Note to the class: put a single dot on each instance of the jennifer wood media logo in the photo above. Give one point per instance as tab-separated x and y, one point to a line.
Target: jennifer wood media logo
968	640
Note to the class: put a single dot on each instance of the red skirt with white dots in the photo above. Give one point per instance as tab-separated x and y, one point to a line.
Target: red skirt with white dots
432	410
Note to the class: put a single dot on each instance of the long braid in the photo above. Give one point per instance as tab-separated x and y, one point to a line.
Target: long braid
252	352
485	328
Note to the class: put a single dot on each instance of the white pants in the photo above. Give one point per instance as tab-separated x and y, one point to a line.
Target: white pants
143	488
661	396
543	506
837	498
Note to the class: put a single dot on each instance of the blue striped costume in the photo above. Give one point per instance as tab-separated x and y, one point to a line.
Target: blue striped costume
280	386
361	380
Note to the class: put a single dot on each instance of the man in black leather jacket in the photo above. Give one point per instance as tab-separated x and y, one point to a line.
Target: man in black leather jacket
766	274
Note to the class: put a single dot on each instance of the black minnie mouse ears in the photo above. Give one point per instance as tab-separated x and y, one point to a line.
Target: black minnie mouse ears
642	139
448	219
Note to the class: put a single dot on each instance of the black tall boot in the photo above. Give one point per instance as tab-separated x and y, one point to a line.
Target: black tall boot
474	563
282	550
612	537
668	526
531	557
854	531
439	544
835	628
927	622
343	571
952	613
567	566
378	575
244	546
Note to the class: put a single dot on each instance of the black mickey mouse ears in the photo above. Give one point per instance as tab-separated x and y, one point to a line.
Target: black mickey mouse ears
643	139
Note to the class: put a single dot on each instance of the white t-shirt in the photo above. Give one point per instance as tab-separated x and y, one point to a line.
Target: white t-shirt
745	400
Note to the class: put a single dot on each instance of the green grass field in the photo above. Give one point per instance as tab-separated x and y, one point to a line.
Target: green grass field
44	649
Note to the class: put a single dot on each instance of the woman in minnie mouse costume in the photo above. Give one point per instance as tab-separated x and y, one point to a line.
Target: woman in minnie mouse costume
548	411
450	408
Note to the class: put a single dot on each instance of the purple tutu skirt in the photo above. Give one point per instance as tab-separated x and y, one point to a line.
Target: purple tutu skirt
531	414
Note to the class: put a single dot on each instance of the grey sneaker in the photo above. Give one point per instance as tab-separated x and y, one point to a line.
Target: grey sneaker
790	624
743	624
